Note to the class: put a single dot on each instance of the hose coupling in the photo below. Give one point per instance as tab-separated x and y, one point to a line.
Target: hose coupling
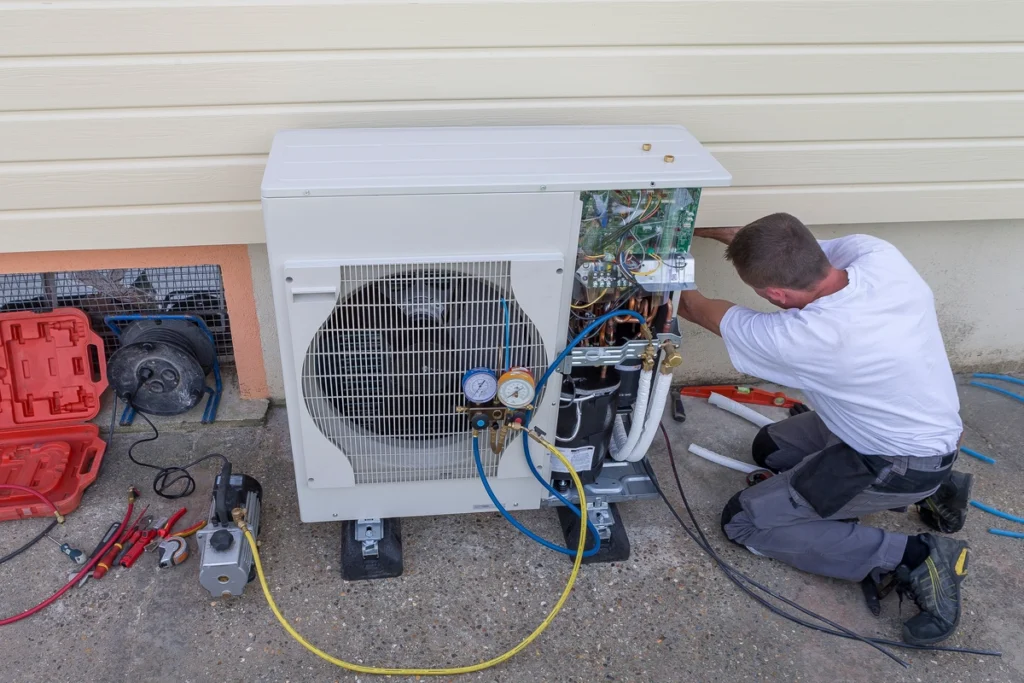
648	356
673	359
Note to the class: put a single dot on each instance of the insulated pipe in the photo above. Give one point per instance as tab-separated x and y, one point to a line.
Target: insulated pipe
643	392
740	410
722	460
657	409
619	436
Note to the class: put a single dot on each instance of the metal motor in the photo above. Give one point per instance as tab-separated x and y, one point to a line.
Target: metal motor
225	558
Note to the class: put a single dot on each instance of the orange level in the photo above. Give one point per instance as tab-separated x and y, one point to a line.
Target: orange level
741	394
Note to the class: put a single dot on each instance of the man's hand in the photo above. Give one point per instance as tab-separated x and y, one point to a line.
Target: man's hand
723	235
699	309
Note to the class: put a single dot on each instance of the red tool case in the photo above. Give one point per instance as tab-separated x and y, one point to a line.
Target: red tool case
52	374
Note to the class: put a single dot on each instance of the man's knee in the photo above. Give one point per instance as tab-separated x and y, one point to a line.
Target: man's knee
732	508
762	447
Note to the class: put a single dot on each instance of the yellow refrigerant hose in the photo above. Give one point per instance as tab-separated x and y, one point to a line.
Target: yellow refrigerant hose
239	516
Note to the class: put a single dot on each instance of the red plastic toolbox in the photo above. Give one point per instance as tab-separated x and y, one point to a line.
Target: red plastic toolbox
52	374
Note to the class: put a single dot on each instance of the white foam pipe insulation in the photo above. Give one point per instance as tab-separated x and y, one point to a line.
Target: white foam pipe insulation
722	460
621	450
657	408
740	410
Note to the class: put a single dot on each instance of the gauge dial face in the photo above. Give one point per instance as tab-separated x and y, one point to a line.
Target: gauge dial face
516	388
479	385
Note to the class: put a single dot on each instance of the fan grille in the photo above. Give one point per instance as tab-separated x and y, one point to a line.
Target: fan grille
382	377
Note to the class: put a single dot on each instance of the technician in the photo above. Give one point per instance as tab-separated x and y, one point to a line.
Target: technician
857	334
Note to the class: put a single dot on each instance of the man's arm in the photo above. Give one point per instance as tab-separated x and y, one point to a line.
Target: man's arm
723	235
699	309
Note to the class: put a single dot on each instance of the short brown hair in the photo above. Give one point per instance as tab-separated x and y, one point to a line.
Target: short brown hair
778	251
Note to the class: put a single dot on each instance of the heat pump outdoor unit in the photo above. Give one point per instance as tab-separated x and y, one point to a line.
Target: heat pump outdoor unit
424	278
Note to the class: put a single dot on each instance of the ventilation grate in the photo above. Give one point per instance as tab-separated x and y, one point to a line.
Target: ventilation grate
382	377
179	290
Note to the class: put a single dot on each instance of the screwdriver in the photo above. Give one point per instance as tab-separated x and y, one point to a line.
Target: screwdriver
76	555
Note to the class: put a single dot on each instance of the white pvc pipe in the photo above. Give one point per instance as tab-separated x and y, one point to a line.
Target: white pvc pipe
643	392
740	410
657	409
723	460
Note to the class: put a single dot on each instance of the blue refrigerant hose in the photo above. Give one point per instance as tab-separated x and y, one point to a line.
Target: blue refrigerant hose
514	522
597	322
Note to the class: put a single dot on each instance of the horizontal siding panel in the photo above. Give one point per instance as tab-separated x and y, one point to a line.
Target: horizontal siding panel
865	203
242	223
190	80
126	228
874	163
153	27
202	131
232	179
130	183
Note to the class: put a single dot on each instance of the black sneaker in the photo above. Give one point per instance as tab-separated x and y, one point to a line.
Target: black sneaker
935	586
946	509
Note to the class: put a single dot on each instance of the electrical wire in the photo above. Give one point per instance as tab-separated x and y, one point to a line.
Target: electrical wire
168	477
740	579
58	518
42	534
86	568
453	671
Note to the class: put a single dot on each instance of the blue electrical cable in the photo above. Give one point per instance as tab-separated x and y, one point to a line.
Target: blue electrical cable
975	454
512	520
998	513
1001	378
508	335
998	390
1004	532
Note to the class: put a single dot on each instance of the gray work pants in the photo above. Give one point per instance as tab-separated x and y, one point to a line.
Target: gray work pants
773	519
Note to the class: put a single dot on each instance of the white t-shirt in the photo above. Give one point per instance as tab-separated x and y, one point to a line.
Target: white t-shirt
869	358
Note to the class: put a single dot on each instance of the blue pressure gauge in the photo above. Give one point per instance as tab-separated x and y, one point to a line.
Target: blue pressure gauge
479	385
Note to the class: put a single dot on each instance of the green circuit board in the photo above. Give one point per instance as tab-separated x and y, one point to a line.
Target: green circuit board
621	230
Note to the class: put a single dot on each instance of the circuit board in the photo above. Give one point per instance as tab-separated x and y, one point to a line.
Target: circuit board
635	238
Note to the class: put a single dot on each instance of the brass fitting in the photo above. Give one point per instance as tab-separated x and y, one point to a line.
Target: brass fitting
648	356
238	515
672	358
60	517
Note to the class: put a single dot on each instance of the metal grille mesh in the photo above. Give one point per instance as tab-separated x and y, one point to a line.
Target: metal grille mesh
181	290
382	377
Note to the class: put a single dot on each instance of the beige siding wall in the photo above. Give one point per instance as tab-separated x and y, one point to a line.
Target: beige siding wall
131	123
146	122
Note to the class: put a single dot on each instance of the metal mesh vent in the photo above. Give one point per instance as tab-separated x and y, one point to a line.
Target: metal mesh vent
382	377
181	290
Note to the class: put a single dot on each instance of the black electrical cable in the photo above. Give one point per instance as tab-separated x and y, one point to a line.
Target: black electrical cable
739	578
168	477
32	542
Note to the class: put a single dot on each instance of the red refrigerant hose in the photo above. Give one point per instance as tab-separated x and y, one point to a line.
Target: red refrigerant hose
86	568
25	489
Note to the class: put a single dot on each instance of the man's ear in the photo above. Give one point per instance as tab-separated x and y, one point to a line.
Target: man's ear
778	296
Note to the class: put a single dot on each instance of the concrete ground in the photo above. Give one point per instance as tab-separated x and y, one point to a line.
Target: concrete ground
473	587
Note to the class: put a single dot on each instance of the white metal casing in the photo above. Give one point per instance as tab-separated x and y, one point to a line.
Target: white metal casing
443	195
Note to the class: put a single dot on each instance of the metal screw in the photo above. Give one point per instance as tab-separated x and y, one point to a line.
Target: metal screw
310	480
669	158
543	188
334	515
647	147
305	193
515	505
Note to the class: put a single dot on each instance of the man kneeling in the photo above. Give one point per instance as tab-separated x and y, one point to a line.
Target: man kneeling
859	336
